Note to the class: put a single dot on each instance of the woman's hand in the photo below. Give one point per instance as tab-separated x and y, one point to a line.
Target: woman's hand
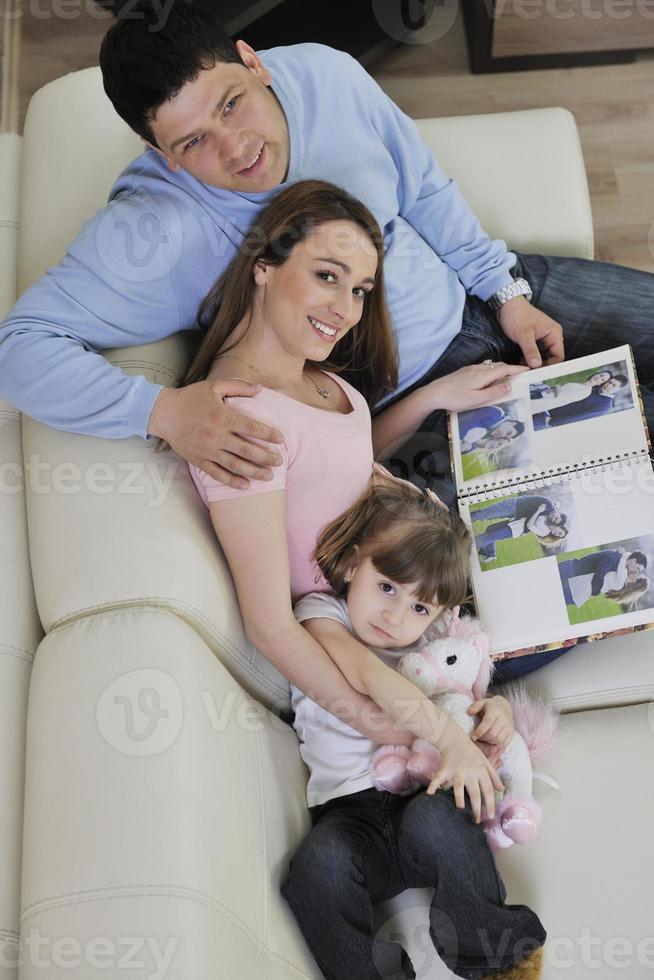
472	386
466	769
496	728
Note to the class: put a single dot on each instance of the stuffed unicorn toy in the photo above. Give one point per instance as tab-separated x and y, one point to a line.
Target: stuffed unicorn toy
454	670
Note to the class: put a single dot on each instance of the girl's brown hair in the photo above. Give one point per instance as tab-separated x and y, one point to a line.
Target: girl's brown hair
410	537
367	355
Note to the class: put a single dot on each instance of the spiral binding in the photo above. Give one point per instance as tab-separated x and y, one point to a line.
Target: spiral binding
555	474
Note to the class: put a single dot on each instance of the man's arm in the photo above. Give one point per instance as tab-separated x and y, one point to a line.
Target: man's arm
137	272
432	203
606	561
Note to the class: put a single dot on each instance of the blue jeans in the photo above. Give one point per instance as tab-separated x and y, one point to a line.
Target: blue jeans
370	846
487	540
599	306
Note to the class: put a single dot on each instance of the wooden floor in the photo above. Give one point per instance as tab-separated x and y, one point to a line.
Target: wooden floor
613	106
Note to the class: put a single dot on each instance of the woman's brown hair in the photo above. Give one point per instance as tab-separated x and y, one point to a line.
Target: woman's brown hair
367	355
410	536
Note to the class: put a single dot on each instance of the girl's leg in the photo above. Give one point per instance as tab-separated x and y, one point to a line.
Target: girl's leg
474	932
342	867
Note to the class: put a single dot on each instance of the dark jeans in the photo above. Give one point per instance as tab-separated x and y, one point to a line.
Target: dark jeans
599	306
372	845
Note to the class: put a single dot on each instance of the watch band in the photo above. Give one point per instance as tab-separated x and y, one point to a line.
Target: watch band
519	287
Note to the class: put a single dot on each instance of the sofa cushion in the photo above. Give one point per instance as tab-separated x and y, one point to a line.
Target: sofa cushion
606	673
161	802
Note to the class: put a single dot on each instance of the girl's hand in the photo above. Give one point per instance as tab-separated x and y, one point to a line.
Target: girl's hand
472	386
496	726
466	768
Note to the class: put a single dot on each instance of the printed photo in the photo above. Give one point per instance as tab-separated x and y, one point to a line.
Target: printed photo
525	526
581	395
608	580
493	437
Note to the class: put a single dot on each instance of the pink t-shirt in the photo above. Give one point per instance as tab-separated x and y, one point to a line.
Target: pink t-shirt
327	463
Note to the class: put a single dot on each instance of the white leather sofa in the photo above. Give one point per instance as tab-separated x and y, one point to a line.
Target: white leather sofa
150	797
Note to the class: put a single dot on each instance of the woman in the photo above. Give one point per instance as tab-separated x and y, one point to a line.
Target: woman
305	293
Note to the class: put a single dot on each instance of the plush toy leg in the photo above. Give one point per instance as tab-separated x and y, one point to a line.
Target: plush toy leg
425	761
520	818
389	769
531	968
495	836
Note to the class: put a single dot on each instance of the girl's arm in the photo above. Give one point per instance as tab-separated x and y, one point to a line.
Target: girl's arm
252	533
469	387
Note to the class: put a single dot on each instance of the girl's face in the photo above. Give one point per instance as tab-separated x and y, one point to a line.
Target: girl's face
307	304
384	613
599	378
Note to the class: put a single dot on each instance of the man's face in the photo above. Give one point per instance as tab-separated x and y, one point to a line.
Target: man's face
610	387
505	430
226	128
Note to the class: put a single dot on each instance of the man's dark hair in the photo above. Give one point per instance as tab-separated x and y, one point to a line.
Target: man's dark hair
519	426
639	557
622	378
146	59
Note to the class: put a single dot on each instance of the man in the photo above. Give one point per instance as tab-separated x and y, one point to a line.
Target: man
225	130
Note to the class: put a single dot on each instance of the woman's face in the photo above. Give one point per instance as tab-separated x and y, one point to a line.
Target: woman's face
599	378
317	296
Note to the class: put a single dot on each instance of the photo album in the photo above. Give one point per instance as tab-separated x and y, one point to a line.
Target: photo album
557	487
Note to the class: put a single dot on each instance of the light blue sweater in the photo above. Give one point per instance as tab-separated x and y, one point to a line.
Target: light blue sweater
139	269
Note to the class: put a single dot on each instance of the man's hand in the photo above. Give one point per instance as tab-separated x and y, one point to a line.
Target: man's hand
496	728
199	426
530	329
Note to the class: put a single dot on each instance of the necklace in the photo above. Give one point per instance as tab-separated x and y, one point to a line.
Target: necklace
321	391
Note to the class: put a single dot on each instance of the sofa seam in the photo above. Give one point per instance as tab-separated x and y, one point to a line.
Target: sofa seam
164	890
7	650
166	604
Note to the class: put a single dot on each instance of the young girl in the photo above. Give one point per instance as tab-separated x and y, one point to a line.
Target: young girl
395	560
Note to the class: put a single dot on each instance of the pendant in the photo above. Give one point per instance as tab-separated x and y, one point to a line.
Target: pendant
323	392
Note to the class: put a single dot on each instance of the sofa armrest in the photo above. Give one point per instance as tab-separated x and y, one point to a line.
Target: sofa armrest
10	157
530	188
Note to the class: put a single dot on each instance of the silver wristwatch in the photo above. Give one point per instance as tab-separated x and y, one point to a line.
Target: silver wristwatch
519	287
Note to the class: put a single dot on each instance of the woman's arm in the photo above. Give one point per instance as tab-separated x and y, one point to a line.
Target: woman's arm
400	698
252	532
407	704
469	387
